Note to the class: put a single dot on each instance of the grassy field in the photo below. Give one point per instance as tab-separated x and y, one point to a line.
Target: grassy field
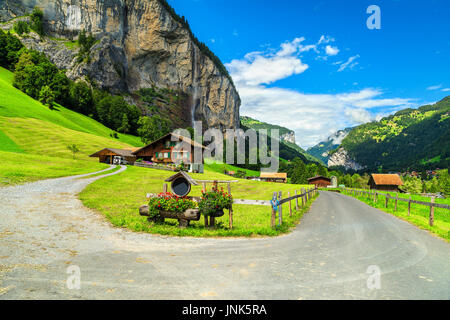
19	168
220	167
119	197
419	213
16	104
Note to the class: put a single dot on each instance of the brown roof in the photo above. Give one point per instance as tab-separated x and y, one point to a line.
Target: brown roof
319	177
387	179
180	137
119	152
274	175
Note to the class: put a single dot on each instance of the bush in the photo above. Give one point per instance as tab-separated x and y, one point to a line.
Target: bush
47	97
214	201
169	202
21	27
37	21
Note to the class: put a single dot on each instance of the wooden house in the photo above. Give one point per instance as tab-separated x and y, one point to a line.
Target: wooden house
385	182
273	177
107	155
164	151
320	181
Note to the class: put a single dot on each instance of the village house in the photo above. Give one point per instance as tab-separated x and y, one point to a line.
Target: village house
273	177
164	151
320	181
385	182
107	155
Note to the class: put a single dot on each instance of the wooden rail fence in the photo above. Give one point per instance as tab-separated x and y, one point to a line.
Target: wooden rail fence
374	196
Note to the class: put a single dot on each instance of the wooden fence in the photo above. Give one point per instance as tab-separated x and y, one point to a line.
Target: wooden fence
374	196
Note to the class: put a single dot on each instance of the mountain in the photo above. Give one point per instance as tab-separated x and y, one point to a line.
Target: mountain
414	139
322	150
139	44
288	146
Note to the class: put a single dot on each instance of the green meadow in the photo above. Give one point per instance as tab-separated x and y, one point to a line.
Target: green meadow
119	197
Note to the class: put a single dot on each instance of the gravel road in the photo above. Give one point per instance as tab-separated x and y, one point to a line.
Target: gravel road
44	230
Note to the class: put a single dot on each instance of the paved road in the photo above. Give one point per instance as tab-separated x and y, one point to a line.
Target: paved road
44	229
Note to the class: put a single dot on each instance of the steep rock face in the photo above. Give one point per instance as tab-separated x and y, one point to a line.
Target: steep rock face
288	137
341	158
140	45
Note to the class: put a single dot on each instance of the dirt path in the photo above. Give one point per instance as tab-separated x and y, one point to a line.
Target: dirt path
44	229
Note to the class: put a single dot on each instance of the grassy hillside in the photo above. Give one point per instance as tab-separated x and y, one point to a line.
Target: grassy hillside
16	104
411	138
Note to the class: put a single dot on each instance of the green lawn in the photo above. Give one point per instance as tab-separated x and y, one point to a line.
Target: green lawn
16	104
19	168
119	198
419	213
220	167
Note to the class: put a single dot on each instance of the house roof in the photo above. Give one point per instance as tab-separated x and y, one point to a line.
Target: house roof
387	179
183	175
179	137
319	177
119	152
273	175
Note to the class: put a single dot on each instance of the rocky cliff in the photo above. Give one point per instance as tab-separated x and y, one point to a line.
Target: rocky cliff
341	158
140	44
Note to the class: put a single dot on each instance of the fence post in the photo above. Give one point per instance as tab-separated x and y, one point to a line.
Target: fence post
290	205
303	197
386	201
206	217
230	212
280	214
296	201
274	213
409	206
165	187
396	200
432	212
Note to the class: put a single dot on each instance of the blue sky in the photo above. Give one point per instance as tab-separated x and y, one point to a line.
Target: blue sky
315	67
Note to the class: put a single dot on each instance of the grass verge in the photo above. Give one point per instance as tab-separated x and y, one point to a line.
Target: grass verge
119	197
419	213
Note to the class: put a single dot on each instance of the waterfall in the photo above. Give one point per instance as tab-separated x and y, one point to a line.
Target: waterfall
195	76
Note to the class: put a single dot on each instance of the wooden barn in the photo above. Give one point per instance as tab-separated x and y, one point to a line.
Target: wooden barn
320	181
107	155
162	151
273	177
385	182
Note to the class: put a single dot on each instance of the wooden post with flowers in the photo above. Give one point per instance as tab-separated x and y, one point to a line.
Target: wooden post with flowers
230	212
204	190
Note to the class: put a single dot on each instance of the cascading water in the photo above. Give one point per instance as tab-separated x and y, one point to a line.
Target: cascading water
195	75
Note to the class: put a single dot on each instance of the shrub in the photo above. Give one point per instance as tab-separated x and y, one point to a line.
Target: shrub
21	27
37	21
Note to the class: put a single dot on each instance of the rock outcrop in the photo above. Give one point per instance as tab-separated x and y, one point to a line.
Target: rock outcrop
288	137
140	44
341	158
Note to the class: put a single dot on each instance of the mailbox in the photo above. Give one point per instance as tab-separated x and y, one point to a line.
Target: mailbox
181	183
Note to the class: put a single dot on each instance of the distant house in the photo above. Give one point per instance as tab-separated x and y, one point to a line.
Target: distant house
107	155
273	177
385	182
320	181
163	151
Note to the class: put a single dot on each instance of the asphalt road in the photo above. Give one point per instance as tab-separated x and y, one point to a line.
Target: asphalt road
44	230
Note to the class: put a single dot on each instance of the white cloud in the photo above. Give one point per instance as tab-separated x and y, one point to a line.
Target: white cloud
349	64
435	87
331	51
445	90
325	39
313	117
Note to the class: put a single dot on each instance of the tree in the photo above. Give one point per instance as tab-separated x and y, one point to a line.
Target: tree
125	126
21	27
81	98
74	149
152	128
47	97
37	21
298	174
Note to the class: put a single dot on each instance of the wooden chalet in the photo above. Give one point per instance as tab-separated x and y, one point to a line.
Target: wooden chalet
162	151
273	177
385	182
107	155
320	181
